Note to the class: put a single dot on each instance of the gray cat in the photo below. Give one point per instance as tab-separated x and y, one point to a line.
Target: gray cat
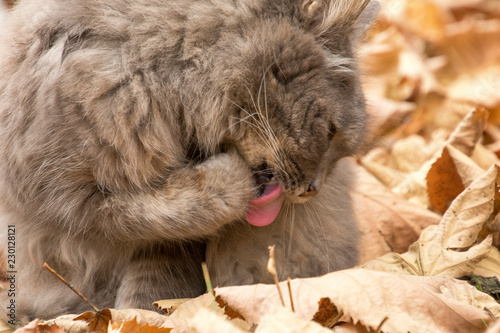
139	138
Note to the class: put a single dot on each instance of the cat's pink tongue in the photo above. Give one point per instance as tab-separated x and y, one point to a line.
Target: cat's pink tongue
264	209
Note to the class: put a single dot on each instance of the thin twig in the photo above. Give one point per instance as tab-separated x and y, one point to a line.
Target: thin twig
70	286
208	282
271	268
288	282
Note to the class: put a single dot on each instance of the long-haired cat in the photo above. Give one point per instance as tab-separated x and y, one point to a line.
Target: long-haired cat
139	138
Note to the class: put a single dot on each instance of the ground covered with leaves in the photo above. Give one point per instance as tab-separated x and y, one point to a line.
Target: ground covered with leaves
427	197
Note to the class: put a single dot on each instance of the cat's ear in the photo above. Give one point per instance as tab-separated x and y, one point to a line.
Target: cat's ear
352	16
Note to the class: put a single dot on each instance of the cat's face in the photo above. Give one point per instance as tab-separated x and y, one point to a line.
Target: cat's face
297	108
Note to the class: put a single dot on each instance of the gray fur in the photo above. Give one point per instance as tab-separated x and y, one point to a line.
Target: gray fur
130	132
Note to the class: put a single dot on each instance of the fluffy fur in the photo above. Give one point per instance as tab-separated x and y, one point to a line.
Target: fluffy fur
132	133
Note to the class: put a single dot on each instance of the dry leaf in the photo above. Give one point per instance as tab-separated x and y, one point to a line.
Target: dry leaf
327	314
37	327
132	326
387	222
489	266
443	182
98	321
470	130
206	321
68	324
170	305
278	319
142	317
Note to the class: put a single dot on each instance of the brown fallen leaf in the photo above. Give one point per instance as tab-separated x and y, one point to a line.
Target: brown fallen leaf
228	311
327	314
132	326
141	316
444	183
98	321
170	305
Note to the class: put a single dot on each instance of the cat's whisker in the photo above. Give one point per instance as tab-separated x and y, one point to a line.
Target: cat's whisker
291	226
242	120
250	115
310	211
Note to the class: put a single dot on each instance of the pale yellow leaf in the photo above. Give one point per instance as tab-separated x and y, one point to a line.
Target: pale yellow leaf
412	152
489	266
278	319
388	223
470	130
462	291
467	168
68	323
207	321
484	157
386	175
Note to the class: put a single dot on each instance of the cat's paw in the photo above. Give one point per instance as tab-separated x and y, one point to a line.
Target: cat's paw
228	178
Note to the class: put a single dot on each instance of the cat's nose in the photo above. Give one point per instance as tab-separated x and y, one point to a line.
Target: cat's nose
311	192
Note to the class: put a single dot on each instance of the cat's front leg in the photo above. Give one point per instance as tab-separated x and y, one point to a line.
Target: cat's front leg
162	271
194	202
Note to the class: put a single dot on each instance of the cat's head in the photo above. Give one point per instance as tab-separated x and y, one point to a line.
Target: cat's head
296	99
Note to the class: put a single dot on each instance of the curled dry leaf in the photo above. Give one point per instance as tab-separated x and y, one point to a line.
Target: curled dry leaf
450	248
97	321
